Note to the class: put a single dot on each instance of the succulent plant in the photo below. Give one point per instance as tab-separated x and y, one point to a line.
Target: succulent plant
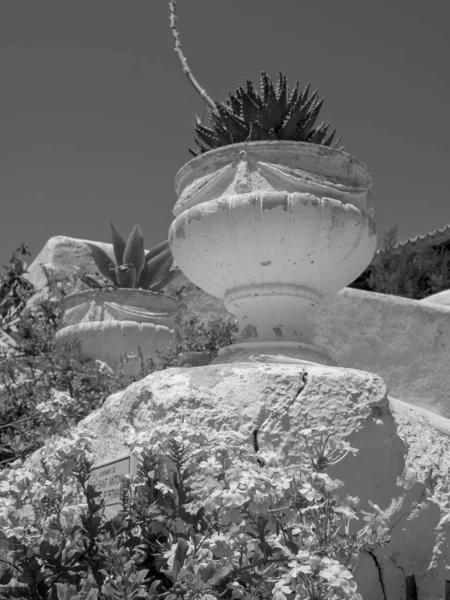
135	268
276	113
248	116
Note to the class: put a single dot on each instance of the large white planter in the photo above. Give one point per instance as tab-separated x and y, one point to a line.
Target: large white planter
271	228
116	322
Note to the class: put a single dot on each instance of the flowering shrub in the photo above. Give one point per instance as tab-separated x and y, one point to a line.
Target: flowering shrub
205	517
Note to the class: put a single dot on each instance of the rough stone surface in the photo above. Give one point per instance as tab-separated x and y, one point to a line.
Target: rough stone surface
406	342
402	464
441	298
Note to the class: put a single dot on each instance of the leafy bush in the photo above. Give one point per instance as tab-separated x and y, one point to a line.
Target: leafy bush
15	290
193	336
407	272
206	517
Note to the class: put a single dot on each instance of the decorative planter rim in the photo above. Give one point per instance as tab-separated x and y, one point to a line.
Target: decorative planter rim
226	154
73	299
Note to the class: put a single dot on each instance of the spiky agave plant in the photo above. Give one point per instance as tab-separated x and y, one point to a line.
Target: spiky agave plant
135	268
276	113
246	116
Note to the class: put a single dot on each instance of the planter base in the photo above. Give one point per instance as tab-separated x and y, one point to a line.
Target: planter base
109	341
274	352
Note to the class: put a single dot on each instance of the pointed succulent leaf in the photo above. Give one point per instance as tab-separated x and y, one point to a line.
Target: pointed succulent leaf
252	93
104	264
305	92
249	108
155	269
271	116
270	112
118	244
161	247
317	135
282	91
223	136
308	123
157	287
292	98
235	105
299	113
134	250
126	276
329	138
256	132
233	124
206	135
194	153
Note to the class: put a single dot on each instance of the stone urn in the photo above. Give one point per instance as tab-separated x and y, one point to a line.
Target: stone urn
272	228
118	322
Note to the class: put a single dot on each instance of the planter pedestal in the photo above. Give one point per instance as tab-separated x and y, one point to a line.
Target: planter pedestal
272	228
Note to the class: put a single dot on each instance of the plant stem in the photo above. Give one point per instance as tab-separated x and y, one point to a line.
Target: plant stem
176	36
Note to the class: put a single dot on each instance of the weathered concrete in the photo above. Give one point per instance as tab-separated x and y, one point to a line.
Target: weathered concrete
402	464
441	298
405	341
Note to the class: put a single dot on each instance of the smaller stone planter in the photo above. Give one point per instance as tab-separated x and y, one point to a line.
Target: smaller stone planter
114	323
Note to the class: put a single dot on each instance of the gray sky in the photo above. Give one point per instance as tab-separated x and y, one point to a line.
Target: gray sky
97	116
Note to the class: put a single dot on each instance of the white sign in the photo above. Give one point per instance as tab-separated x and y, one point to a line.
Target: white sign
107	478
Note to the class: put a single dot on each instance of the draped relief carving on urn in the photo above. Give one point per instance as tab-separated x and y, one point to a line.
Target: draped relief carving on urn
256	171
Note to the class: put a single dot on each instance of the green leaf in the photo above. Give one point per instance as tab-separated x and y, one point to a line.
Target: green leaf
156	270
234	125
282	91
180	556
270	117
205	135
62	591
126	276
134	250
307	124
234	104
104	264
118	244
157	287
253	94
249	108
298	112
161	247
328	141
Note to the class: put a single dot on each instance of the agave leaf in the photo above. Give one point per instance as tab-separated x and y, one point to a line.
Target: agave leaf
249	109
282	91
252	93
329	139
256	132
223	136
292	98
104	264
162	246
305	92
234	125
118	244
126	276
156	269
206	135
317	135
308	123
134	250
157	287
270	117
194	153
299	112
235	105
